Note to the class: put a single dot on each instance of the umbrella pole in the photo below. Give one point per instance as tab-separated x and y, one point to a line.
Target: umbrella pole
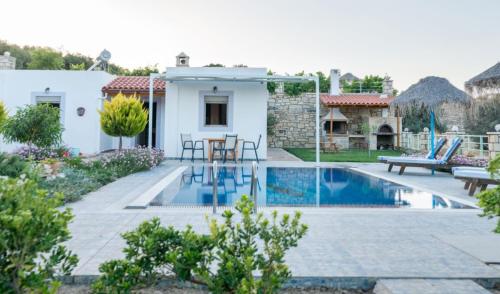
432	137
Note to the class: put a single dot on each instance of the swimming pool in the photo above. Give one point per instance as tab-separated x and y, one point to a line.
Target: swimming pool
296	187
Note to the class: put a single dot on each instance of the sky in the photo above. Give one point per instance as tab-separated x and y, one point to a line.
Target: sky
407	40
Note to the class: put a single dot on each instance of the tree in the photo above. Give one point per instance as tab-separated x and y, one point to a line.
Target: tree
32	230
417	117
37	125
3	115
77	61
142	71
123	116
371	83
214	65
484	116
46	58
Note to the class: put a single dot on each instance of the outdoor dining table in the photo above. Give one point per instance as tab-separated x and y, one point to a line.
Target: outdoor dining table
212	141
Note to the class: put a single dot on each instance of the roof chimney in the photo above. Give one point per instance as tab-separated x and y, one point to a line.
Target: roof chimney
387	86
182	60
335	82
7	61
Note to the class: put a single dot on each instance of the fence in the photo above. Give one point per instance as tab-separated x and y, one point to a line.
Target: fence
472	145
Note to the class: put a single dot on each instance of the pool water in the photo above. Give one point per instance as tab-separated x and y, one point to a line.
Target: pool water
297	187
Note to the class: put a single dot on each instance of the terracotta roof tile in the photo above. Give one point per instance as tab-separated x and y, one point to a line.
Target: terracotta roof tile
133	84
356	100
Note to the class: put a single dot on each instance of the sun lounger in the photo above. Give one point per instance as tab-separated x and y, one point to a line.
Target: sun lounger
424	162
439	145
475	177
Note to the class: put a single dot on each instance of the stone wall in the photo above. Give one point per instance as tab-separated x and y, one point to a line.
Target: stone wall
296	118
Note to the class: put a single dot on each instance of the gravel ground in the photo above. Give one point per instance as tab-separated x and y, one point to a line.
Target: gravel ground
175	290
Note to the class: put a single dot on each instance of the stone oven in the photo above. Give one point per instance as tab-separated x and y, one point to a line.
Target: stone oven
385	137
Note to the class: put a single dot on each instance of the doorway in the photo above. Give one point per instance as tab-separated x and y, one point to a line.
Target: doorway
142	138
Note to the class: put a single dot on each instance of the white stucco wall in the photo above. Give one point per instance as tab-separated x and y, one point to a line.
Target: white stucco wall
78	89
182	113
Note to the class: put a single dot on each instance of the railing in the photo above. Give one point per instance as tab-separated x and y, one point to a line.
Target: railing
474	145
253	185
215	183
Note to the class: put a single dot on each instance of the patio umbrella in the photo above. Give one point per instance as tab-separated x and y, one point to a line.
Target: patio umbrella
430	92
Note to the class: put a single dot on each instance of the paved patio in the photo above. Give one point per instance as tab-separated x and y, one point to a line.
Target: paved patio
341	242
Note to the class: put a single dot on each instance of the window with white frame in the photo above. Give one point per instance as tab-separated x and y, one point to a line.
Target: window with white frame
216	110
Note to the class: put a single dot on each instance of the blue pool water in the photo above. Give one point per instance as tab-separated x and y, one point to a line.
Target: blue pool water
300	187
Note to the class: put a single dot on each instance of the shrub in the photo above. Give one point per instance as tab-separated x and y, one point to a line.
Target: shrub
72	183
237	254
225	260
34	125
132	160
31	232
489	200
12	166
39	154
123	116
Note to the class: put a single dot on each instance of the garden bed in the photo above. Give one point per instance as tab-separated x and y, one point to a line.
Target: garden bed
74	177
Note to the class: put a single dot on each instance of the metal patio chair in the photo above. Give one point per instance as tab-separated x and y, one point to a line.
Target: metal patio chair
250	145
189	144
229	145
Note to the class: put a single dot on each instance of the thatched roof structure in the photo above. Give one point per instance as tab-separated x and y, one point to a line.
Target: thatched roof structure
431	92
349	77
488	76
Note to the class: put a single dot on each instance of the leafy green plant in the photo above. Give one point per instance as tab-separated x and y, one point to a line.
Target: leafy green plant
153	252
32	229
489	200
225	260
72	183
12	166
37	125
123	116
237	254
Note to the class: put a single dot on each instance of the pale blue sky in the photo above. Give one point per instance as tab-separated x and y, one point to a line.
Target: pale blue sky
406	39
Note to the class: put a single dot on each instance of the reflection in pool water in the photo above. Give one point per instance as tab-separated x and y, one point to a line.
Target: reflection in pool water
308	187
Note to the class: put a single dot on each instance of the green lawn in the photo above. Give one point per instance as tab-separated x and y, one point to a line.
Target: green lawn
308	154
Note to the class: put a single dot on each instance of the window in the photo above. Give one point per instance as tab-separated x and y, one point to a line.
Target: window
216	110
52	101
55	99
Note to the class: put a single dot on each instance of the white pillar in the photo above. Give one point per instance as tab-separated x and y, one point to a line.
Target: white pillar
150	112
316	80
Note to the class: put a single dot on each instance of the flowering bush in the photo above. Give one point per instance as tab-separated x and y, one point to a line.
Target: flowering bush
42	153
459	160
132	160
469	161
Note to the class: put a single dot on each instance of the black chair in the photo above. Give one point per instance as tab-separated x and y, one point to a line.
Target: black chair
189	144
229	145
250	145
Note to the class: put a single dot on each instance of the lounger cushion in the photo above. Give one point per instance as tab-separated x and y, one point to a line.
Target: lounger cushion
414	160
471	168
473	174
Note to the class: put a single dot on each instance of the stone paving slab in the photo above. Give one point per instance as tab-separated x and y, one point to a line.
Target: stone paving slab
484	248
423	286
341	242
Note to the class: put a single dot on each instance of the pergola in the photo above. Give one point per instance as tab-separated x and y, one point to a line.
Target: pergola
224	78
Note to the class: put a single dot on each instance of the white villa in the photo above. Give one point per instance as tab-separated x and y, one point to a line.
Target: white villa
205	102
